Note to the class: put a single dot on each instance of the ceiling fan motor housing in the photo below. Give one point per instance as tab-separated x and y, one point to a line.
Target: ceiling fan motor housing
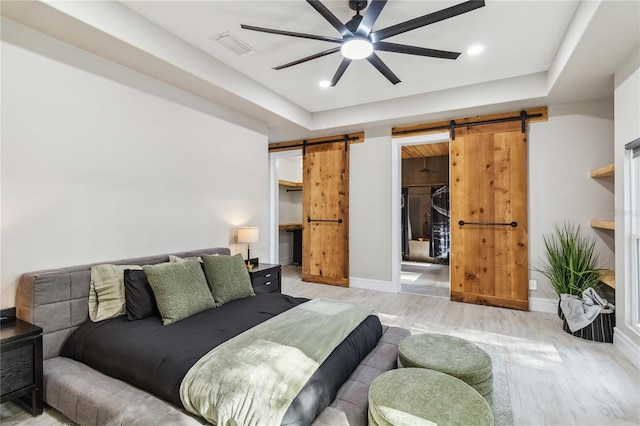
357	5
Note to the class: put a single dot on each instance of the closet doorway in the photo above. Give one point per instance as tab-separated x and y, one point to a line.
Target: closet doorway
423	226
286	208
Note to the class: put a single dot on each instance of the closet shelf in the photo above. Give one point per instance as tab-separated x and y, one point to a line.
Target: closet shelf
290	227
603	224
604	171
290	184
608	276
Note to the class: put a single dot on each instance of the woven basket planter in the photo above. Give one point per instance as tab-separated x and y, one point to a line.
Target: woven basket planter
600	330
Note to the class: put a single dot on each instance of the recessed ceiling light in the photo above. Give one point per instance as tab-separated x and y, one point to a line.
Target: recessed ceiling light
474	50
325	83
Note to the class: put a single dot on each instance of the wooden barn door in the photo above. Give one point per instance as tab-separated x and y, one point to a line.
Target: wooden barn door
489	259
325	214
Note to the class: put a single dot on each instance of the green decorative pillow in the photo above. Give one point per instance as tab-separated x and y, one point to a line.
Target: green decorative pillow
180	289
228	277
106	291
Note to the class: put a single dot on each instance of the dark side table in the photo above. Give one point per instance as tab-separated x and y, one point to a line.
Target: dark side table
21	364
265	278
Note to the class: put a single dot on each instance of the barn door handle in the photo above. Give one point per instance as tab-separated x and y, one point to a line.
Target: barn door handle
512	224
323	220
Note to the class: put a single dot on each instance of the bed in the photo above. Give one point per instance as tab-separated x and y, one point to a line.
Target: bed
57	300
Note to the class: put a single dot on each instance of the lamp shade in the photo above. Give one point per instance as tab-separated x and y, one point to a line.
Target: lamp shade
248	234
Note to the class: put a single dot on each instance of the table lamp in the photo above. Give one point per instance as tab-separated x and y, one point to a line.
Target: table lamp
248	235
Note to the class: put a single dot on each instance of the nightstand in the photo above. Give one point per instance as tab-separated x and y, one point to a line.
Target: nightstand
265	278
21	364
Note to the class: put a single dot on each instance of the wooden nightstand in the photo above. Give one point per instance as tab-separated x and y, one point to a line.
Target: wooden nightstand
21	364
265	278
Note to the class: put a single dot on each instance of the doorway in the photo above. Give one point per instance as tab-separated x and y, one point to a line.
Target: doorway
420	175
425	219
286	207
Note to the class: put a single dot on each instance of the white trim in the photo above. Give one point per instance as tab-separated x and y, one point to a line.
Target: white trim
369	284
396	183
541	304
627	347
274	199
632	285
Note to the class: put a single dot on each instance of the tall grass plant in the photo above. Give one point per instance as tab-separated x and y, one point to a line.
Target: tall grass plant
571	263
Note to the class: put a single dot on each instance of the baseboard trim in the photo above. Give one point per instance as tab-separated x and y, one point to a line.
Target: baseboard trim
541	304
286	260
369	284
626	346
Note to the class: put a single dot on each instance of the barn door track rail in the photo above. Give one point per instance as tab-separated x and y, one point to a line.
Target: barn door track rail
452	126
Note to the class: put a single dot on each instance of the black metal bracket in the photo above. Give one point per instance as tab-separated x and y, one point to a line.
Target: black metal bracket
304	147
346	143
512	224
324	220
452	129
523	118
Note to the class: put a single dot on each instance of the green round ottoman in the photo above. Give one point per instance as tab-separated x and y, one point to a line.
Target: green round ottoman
450	355
421	397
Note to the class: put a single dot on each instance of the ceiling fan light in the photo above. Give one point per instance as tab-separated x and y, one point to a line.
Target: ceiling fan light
356	48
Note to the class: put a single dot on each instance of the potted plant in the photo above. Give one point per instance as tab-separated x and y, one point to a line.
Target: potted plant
571	263
572	268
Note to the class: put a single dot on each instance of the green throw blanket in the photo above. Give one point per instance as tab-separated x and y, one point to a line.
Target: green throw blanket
253	378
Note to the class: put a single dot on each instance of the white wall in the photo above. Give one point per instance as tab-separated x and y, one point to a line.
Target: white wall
100	163
562	152
627	129
370	210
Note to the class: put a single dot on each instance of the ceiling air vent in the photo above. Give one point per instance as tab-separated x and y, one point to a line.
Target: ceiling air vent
233	43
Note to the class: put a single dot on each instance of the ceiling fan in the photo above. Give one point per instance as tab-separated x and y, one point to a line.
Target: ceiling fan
359	41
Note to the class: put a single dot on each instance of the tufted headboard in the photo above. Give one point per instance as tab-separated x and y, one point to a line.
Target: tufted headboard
58	299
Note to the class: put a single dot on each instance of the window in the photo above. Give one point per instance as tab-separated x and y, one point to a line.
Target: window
634	148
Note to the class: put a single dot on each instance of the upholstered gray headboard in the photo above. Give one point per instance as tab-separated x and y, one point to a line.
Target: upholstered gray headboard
58	299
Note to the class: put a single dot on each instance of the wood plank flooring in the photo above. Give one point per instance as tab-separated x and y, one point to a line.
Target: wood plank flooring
554	378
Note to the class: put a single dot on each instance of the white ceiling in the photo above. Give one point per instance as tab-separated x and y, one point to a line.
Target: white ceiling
536	53
520	38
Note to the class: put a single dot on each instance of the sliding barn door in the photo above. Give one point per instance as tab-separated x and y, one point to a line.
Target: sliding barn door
489	259
325	214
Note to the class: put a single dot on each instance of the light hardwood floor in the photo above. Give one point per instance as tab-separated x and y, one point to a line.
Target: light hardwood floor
554	378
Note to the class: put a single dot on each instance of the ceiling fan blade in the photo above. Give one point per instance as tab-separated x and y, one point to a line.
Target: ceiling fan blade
413	50
370	17
330	17
291	34
430	18
308	58
341	69
383	68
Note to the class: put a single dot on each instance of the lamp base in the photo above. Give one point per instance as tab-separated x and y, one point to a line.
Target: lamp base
253	262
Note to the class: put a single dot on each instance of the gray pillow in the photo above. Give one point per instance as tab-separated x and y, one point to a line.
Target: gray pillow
180	289
174	259
228	277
